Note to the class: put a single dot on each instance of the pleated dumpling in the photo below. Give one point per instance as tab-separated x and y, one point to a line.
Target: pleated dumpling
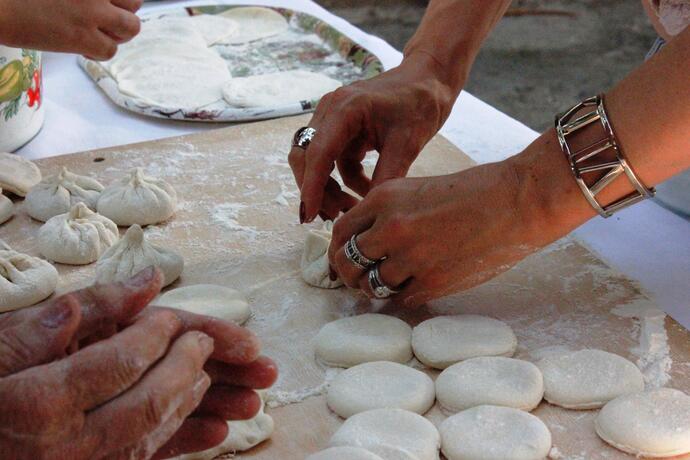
57	194
132	254
24	280
78	237
314	263
138	199
6	208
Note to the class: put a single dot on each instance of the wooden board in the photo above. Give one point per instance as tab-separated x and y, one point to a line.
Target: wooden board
237	225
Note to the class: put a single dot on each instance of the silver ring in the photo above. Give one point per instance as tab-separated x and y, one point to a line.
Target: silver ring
355	256
303	137
378	287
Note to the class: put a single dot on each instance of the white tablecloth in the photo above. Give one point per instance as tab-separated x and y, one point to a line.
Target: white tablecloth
646	242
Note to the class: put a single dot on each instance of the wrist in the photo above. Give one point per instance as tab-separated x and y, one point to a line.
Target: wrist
427	64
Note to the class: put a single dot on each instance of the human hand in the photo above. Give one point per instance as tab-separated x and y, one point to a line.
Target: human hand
122	394
395	113
91	27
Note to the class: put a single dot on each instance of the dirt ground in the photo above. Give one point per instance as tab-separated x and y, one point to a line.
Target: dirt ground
533	65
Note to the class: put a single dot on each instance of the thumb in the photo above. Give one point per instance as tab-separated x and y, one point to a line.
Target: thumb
394	162
41	337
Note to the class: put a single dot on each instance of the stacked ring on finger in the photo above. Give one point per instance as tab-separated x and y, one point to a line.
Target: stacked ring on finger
303	137
355	256
380	289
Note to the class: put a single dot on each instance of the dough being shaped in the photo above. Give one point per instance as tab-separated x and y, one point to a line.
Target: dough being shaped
214	27
494	432
242	435
278	89
18	175
407	431
378	385
78	237
57	194
588	379
210	300
360	339
445	340
493	380
24	280
254	23
344	453
6	208
654	423
132	254
138	199
314	263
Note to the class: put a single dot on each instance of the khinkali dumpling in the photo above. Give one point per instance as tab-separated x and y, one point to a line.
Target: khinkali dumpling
57	194
138	199
6	208
18	174
132	254
315	258
24	280
78	237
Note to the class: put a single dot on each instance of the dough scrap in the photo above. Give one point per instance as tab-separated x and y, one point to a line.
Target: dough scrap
278	89
210	300
6	208
78	237
242	436
378	385
588	379
24	280
364	338
490	380
654	423
214	27
344	453
254	23
57	194
17	174
494	432
314	263
407	431
138	199
132	254
445	340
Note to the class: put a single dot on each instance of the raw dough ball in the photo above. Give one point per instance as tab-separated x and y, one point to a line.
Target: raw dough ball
138	199
242	435
278	89
360	339
6	208
24	280
380	384
588	379
18	175
254	23
57	194
78	237
210	300
344	453
655	423
445	340
214	27
132	254
405	430
493	380
315	258
494	432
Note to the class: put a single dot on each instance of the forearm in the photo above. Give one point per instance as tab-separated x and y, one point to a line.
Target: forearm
451	33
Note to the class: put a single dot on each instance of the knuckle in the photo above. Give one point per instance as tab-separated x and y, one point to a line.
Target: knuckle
14	352
153	409
129	366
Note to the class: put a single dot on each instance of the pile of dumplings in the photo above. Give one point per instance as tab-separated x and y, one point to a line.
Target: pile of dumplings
80	226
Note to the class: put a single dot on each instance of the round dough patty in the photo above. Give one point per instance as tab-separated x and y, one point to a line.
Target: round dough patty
493	432
494	380
344	453
380	384
210	300
360	339
655	423
445	340
588	379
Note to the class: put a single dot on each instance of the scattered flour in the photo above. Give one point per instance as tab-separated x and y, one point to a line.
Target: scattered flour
227	215
277	398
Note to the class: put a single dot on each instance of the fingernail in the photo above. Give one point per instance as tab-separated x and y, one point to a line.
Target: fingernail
206	343
57	314
332	274
302	212
200	386
324	216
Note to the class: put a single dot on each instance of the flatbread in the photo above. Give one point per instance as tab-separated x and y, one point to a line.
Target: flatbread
215	28
254	23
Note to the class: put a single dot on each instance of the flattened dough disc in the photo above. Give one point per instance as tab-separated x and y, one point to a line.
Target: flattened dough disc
210	300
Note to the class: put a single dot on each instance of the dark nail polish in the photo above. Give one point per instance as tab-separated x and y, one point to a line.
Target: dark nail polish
324	216
302	212
332	274
57	314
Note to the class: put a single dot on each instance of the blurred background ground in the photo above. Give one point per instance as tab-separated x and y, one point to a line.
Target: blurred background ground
533	64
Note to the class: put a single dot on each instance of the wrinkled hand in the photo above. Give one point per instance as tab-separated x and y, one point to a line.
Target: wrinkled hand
395	113
73	387
91	27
